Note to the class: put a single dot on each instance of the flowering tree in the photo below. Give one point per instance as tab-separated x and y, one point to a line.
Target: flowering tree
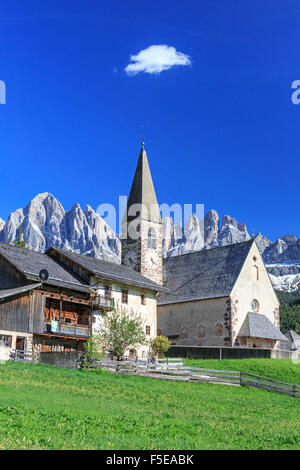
120	331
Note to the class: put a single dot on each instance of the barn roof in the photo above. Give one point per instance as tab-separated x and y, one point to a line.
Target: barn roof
30	263
257	325
204	274
108	270
4	293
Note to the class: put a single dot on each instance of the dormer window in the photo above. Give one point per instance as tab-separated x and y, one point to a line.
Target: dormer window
151	238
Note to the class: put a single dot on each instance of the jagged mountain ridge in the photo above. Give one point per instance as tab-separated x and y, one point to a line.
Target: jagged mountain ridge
44	222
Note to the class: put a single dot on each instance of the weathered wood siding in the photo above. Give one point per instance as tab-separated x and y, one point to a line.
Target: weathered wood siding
37	309
23	313
9	276
15	313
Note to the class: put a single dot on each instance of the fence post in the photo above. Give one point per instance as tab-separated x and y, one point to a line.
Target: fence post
241	379
294	391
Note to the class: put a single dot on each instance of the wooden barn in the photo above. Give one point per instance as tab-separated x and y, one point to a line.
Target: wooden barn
55	315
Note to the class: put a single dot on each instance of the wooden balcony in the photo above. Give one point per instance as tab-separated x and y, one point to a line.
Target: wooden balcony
103	301
67	329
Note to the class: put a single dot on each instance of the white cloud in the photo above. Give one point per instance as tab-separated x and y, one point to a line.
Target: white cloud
155	59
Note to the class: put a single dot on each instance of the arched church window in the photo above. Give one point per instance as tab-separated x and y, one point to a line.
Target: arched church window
184	332
255	306
219	329
151	238
255	273
201	331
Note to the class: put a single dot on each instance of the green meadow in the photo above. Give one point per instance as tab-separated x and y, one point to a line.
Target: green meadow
44	407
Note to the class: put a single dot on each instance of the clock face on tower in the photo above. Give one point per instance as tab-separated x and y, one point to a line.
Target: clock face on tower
130	258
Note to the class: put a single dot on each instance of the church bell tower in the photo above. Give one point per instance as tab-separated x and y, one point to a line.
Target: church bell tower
142	225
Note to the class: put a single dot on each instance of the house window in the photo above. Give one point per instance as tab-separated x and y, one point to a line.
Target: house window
5	340
143	299
184	332
148	329
255	306
107	290
151	238
201	331
124	296
219	329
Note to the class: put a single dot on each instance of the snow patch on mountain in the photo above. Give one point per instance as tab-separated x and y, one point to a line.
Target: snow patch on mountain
288	283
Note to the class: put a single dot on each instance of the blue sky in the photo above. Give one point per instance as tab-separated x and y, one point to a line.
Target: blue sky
221	131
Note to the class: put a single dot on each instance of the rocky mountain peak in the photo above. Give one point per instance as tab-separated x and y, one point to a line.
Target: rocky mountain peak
44	222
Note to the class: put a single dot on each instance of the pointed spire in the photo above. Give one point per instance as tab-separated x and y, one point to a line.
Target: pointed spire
142	191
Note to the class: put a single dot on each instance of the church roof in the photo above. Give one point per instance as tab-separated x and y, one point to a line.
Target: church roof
30	263
203	274
142	192
108	270
257	325
293	338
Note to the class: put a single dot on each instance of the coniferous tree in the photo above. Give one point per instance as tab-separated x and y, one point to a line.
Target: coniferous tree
20	242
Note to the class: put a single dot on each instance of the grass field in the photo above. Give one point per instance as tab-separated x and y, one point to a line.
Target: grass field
44	407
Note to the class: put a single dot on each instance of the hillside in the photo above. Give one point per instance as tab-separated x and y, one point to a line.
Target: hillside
289	311
44	407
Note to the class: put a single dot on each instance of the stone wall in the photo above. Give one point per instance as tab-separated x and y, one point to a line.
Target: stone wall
146	261
61	359
152	259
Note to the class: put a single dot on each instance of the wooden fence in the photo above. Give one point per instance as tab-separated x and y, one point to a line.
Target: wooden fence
174	369
20	355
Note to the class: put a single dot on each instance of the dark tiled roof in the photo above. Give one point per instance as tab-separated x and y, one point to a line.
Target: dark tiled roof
4	293
259	326
31	262
203	274
142	193
293	338
108	270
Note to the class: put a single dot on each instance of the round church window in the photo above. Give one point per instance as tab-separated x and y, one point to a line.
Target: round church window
255	305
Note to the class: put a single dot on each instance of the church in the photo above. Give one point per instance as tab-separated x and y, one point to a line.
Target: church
217	297
221	297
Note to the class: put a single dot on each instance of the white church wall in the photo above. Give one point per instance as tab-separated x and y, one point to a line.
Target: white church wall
253	284
198	323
